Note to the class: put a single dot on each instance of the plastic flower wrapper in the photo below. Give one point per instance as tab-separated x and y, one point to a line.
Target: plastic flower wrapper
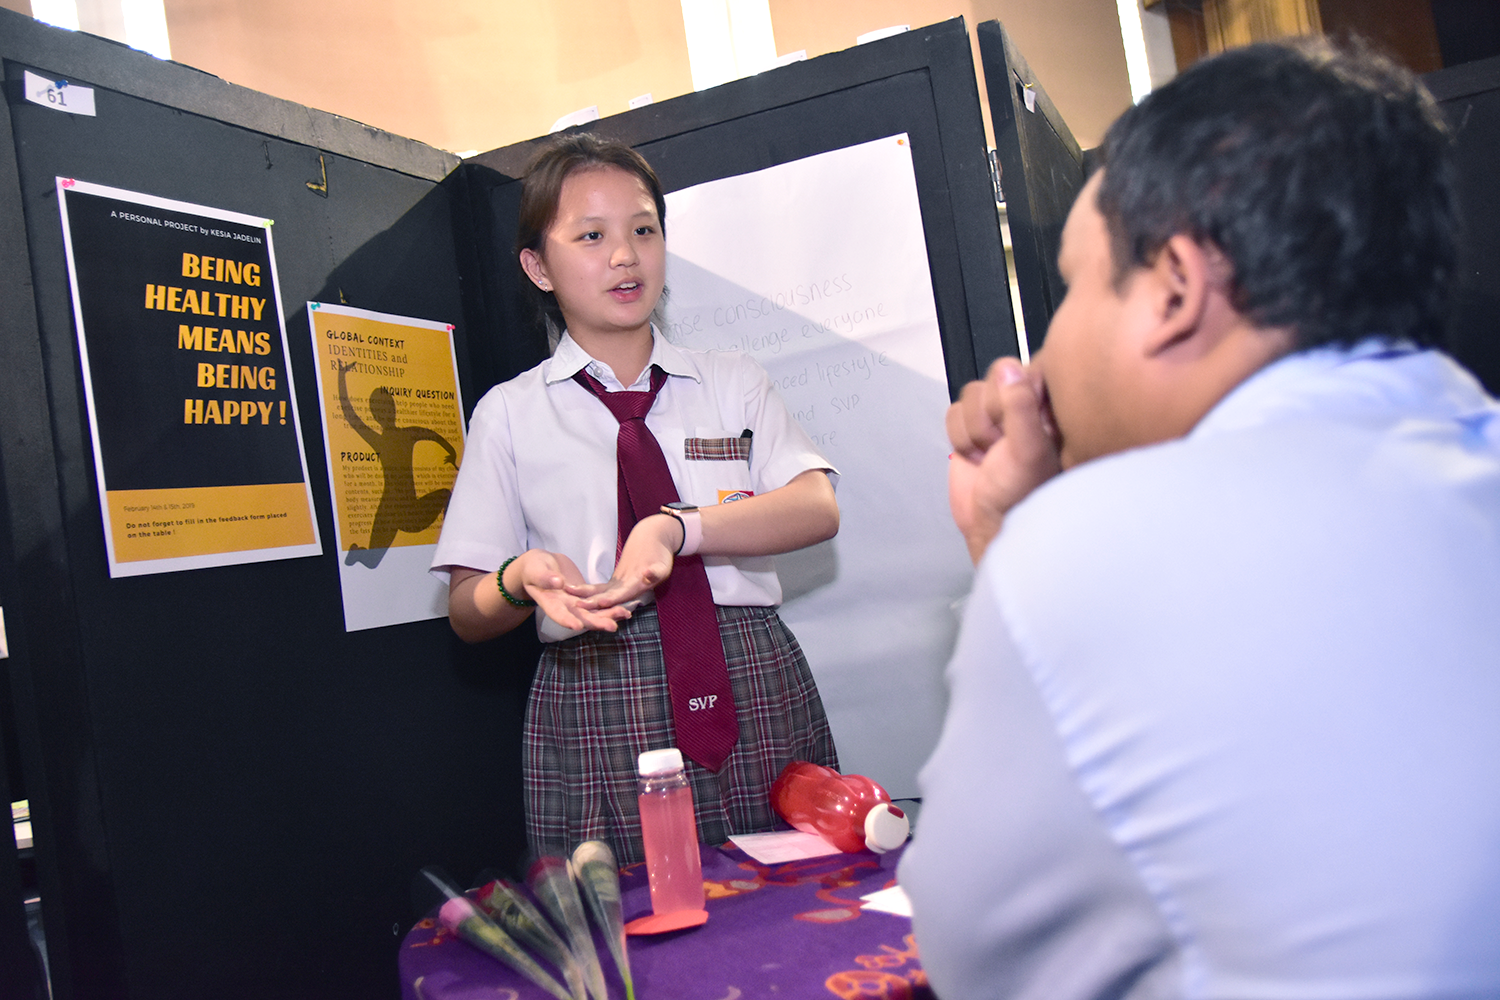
459	914
599	881
514	913
552	883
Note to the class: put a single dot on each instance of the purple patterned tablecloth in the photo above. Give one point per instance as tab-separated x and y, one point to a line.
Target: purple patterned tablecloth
794	930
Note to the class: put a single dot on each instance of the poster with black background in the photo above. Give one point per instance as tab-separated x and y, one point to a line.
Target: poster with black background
197	444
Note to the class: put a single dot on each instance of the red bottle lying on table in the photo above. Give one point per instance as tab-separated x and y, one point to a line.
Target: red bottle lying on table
849	811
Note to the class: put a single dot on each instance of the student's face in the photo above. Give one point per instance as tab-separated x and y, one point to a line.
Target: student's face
604	256
1090	361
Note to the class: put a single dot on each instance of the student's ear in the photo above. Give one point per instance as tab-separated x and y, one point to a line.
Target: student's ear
1184	278
531	263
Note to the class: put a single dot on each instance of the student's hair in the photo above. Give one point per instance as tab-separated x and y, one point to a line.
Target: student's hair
542	188
1323	174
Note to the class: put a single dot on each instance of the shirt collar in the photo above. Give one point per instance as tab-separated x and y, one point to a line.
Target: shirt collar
569	359
1364	379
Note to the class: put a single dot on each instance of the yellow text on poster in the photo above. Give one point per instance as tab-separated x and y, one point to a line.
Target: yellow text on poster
204	520
394	435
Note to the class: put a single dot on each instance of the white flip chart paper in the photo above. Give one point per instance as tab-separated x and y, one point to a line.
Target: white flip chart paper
818	269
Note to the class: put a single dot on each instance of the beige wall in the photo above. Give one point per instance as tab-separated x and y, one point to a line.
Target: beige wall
19	6
458	74
485	73
1073	46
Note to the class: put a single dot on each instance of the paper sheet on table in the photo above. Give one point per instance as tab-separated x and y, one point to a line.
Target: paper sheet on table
782	845
892	900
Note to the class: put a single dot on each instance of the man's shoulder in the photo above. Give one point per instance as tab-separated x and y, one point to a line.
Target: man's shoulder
1125	521
1308	515
1132	489
1328	430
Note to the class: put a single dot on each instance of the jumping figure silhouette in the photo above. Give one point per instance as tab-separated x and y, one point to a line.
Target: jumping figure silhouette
400	508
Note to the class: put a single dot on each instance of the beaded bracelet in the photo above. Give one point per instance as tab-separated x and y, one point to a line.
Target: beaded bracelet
519	602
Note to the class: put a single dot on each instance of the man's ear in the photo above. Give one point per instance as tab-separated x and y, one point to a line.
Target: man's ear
1185	277
531	263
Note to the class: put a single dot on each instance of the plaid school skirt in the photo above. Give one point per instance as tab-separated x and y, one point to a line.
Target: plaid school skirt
600	699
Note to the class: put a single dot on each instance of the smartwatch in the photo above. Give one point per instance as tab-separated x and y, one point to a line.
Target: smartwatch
692	526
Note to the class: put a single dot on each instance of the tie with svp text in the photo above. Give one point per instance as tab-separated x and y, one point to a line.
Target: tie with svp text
703	711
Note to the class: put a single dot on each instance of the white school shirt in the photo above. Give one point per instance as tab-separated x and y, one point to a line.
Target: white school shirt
1225	712
539	466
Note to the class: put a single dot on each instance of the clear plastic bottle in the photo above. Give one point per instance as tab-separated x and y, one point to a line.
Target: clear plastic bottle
849	811
670	833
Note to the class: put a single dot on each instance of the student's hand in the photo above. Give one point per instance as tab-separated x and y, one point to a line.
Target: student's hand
645	560
549	579
1004	446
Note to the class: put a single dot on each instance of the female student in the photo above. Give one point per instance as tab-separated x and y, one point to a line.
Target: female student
561	508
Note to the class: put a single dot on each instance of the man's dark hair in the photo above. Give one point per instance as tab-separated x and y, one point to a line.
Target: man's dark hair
542	189
1323	174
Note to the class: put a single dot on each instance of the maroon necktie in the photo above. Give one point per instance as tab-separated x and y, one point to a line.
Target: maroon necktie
697	677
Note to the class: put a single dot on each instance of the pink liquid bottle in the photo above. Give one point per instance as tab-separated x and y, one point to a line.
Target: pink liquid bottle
849	811
670	833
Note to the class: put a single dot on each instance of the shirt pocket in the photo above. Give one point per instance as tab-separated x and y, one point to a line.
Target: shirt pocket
730	449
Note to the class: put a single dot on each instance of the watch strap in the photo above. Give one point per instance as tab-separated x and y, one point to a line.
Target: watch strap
691	519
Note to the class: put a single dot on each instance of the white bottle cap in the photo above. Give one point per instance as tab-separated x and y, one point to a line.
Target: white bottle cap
659	762
886	828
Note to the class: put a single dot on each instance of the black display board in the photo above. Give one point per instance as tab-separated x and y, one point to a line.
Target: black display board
1041	173
231	794
21	978
920	82
1470	98
20	968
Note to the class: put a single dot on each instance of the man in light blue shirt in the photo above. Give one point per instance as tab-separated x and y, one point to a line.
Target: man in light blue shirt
1225	711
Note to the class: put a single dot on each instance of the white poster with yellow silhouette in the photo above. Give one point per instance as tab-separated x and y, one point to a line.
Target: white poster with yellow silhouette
393	431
